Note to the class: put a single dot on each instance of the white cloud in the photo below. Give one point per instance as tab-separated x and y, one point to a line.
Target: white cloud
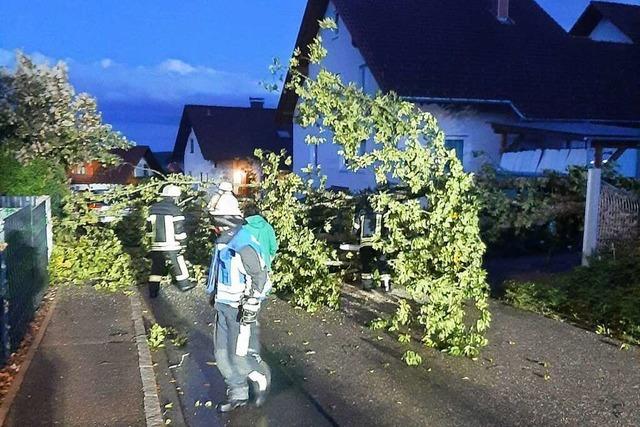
171	80
176	66
106	62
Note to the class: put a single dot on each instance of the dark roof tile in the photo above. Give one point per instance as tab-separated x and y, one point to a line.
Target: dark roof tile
457	49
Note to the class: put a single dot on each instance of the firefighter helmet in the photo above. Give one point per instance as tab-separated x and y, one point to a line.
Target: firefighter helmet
225	186
171	191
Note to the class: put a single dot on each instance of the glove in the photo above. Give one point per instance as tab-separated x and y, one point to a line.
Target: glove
249	310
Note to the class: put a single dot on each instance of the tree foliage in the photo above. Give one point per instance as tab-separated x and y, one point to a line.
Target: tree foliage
39	177
433	242
41	117
301	268
112	255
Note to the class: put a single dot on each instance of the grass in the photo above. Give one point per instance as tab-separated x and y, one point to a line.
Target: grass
604	297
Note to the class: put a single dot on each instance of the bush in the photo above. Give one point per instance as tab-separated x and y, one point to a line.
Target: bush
603	297
530	214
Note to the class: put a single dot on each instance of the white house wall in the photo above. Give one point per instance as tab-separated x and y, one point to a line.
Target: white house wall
480	143
201	169
608	32
470	124
195	164
343	58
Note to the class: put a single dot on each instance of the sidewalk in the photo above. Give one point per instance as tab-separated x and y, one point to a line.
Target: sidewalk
86	370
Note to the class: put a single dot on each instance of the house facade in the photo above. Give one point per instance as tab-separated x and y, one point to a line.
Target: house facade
137	163
217	143
471	64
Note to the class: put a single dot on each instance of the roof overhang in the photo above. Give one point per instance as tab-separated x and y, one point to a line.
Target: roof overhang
573	131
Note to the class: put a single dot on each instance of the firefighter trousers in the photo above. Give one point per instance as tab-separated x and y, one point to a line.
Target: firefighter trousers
179	270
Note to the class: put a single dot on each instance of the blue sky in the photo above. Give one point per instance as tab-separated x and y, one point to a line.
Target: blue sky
143	60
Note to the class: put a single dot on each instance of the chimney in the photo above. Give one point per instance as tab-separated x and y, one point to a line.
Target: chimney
256	102
500	9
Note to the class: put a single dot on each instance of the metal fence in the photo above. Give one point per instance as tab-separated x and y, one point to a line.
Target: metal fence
25	237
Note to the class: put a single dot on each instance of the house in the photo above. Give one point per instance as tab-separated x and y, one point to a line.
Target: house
609	22
217	143
478	66
138	162
165	159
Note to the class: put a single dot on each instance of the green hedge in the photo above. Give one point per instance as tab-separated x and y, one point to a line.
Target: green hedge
604	297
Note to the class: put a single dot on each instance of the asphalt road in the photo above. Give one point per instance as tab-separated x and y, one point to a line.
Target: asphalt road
329	369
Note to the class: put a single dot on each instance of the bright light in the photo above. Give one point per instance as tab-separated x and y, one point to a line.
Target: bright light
238	176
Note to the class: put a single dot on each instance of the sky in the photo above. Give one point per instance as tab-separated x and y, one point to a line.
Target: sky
143	60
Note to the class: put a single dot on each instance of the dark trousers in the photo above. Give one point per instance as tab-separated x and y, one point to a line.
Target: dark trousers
370	261
179	270
237	353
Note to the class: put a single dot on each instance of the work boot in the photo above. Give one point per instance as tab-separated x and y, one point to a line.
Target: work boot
230	404
185	285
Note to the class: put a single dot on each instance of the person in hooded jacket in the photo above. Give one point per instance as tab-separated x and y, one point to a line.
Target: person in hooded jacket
239	284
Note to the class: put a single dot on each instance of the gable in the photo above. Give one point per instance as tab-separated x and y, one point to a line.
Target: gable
624	17
607	31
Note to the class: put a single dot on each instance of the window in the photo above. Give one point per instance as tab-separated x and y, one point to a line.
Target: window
145	171
336	19
313	155
191	145
455	144
363	77
201	176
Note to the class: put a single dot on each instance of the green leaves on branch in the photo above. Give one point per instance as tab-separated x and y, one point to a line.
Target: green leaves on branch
113	255
430	205
95	258
301	268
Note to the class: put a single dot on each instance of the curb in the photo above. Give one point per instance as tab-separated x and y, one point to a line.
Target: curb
152	410
166	383
5	407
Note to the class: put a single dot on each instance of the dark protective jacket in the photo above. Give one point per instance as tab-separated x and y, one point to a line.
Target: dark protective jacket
167	225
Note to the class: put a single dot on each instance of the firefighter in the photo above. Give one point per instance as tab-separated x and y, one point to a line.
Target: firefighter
368	224
167	225
239	283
